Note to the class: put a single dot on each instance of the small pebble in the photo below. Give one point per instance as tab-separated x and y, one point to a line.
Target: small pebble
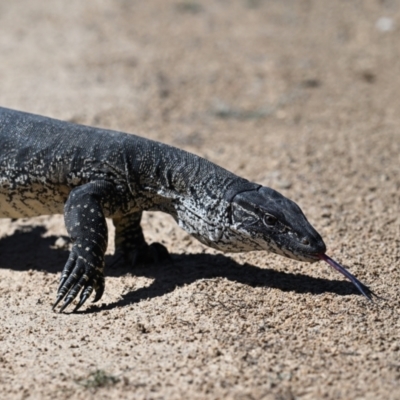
385	24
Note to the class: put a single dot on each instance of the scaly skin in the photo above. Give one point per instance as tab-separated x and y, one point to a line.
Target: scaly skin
49	166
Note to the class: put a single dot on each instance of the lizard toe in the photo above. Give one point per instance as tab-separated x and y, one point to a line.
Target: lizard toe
79	276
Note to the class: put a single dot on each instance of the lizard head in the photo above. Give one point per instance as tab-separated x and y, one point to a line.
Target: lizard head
263	219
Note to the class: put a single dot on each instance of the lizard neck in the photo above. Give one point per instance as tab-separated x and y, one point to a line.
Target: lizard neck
196	192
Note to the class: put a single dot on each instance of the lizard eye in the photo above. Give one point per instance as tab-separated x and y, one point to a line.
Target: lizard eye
269	220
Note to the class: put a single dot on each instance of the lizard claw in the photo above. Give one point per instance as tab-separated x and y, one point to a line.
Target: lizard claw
67	302
85	294
59	298
79	276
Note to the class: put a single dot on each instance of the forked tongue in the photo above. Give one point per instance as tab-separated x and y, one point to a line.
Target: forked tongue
366	291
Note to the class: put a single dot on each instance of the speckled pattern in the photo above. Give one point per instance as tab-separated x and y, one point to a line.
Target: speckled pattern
45	163
300	96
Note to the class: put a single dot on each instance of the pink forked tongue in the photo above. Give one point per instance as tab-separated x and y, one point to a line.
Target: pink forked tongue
366	291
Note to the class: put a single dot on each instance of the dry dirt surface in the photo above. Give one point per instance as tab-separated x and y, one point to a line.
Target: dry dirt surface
302	96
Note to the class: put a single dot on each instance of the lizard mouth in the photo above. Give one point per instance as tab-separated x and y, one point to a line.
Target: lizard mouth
311	257
303	256
315	256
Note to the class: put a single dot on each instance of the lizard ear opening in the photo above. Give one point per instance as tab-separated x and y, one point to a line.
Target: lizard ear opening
240	216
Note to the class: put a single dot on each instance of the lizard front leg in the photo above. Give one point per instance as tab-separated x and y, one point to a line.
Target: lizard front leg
130	241
87	228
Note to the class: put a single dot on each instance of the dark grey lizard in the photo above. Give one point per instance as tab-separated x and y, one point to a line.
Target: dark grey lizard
50	167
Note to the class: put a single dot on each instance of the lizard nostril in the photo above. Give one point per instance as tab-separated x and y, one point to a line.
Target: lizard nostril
305	241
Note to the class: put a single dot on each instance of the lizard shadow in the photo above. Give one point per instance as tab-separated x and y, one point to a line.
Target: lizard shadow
188	268
28	249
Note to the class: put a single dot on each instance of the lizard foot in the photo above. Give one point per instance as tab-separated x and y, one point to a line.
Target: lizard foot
154	253
82	273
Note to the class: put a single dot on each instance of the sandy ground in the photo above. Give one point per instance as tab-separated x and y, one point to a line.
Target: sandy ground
302	96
